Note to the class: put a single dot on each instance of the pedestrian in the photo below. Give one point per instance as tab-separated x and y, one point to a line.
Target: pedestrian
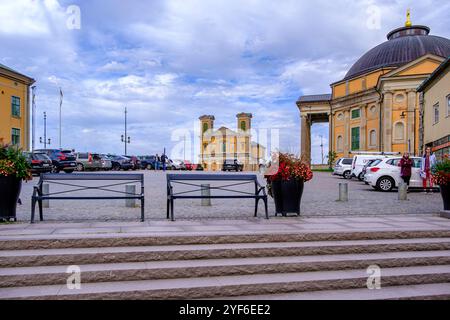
405	164
164	161
157	160
428	161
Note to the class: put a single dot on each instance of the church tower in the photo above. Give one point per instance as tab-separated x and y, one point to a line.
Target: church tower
244	121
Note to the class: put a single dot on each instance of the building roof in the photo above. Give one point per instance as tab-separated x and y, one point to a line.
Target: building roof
403	46
444	65
315	98
2	66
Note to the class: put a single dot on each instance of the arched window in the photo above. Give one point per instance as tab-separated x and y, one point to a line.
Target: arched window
340	144
205	127
243	126
373	138
399	131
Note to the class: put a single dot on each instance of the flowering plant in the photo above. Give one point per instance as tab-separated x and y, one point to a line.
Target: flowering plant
13	162
289	167
441	171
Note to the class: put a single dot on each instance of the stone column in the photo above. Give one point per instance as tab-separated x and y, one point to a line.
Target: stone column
387	121
330	132
347	133
363	129
411	121
305	138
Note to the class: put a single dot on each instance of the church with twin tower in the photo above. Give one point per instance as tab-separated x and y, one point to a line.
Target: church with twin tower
376	107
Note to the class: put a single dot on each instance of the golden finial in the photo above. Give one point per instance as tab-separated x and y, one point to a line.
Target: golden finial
408	18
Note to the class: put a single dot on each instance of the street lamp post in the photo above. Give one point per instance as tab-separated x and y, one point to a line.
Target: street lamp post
33	118
45	141
125	138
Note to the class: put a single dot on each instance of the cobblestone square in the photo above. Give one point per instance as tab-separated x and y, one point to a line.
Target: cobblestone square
319	199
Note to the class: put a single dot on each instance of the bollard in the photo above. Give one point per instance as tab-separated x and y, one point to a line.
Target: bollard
343	192
206	192
402	191
130	189
45	191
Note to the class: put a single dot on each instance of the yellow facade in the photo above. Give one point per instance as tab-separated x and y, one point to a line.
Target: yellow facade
223	144
376	107
435	108
14	107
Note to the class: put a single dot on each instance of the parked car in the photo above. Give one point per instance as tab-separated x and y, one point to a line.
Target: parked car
179	165
368	165
135	162
385	175
232	165
359	161
39	162
62	160
148	162
106	162
343	168
199	167
120	163
188	165
88	161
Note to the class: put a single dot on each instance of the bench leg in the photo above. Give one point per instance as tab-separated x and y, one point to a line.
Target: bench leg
168	206
171	210
33	209
41	216
256	207
265	207
142	210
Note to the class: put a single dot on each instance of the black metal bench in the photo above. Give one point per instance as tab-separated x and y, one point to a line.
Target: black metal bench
236	179
65	179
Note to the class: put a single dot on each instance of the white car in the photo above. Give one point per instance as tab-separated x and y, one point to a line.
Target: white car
359	161
385	175
343	168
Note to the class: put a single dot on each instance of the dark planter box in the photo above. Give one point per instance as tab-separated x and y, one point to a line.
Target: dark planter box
9	195
287	196
445	192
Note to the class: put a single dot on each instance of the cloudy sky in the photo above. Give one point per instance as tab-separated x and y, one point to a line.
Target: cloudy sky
170	61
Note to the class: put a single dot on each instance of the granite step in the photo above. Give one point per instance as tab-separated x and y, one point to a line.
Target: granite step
435	291
80	256
86	240
229	286
149	270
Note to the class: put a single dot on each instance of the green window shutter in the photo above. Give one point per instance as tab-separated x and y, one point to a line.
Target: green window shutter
15	106
205	127
355	138
243	126
356	113
15	136
224	147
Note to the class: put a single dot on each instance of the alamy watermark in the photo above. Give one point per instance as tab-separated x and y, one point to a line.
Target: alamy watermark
374	279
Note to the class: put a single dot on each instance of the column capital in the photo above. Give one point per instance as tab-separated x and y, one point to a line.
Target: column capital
411	91
389	92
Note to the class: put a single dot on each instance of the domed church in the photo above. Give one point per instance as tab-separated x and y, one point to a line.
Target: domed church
375	108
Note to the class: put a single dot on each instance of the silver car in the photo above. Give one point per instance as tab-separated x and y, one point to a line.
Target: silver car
343	168
88	161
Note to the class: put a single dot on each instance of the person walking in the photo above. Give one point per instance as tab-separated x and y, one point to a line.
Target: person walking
405	164
164	161
428	161
158	160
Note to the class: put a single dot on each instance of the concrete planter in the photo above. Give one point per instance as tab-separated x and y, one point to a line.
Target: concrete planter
9	195
287	196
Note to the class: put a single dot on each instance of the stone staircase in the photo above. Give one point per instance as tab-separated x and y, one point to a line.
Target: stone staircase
414	265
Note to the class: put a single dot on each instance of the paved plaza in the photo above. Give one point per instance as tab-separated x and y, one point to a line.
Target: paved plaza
319	199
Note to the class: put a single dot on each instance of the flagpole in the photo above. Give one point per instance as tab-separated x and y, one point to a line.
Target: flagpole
60	107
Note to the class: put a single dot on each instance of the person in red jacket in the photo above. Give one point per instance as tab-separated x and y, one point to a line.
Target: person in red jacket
405	168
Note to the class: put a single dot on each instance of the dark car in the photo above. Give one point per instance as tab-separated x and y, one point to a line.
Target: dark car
232	165
148	162
120	163
199	167
135	162
39	162
62	160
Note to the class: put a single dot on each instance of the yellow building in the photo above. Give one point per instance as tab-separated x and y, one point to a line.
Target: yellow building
375	108
14	107
435	111
222	144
